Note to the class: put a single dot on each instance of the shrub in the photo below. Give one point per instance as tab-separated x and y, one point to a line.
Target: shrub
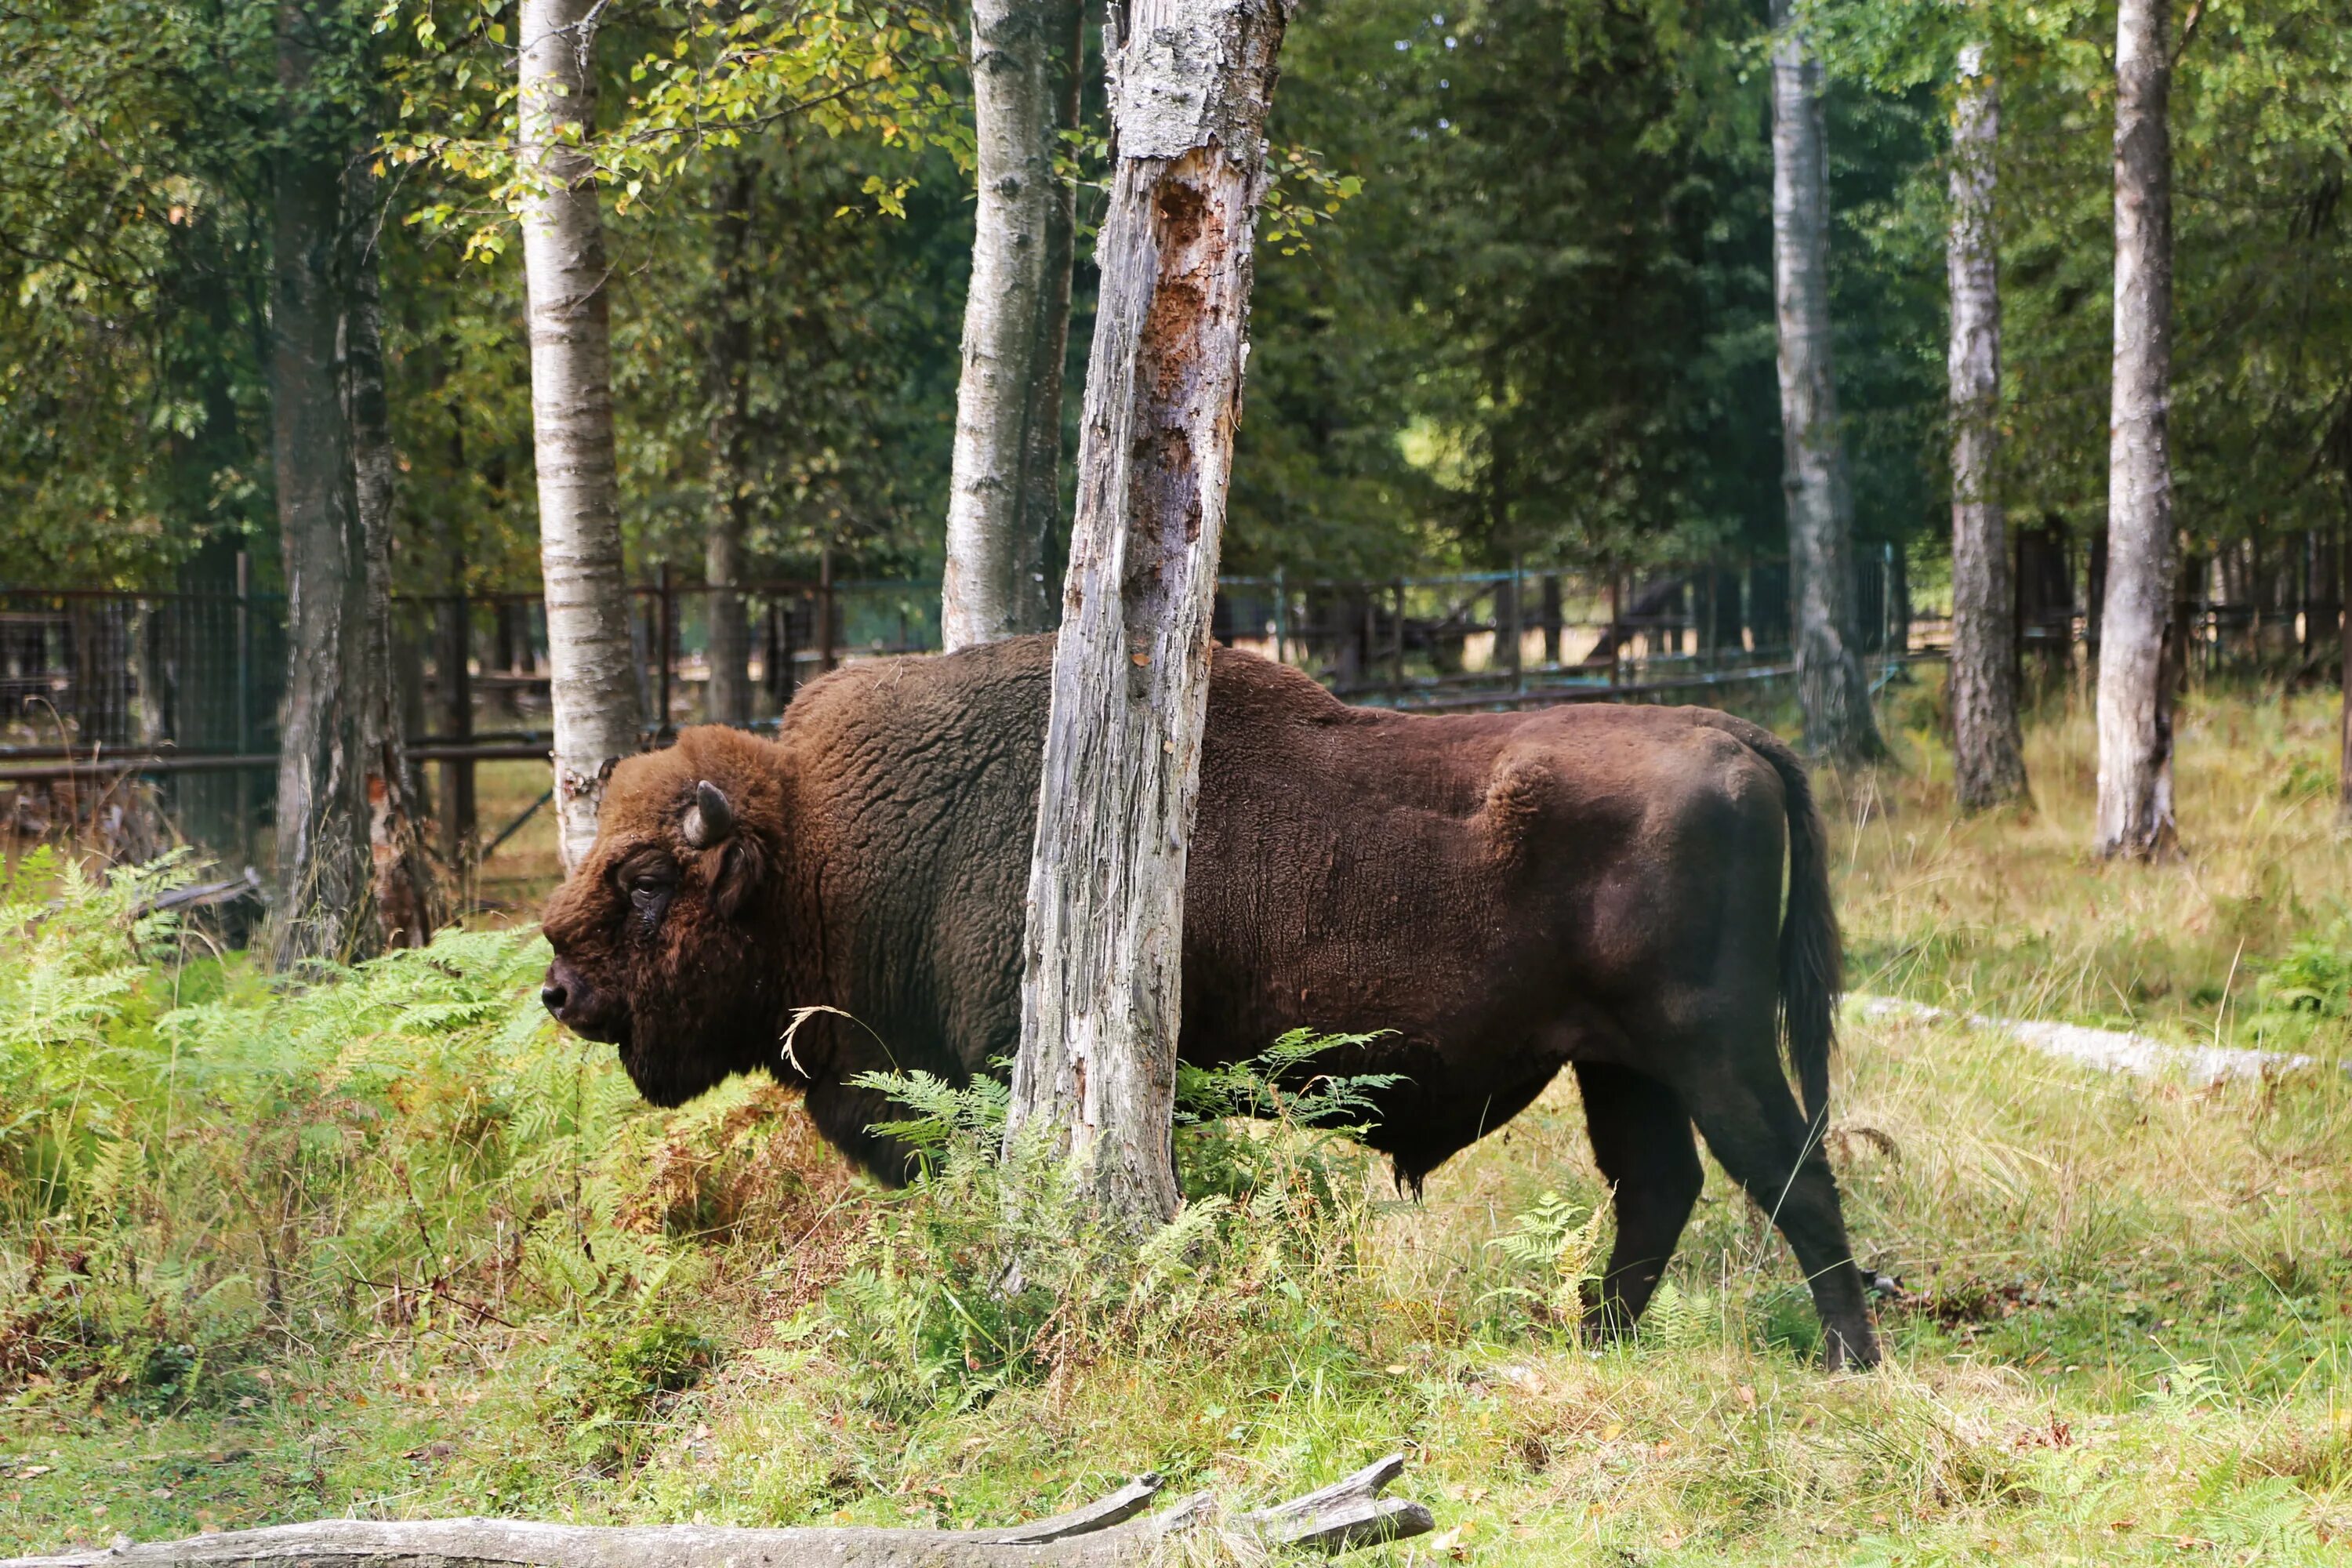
195	1157
989	1270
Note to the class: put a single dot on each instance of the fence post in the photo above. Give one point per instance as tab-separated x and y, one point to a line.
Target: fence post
243	715
1281	617
1517	631
1616	626
824	608
665	637
1396	649
458	697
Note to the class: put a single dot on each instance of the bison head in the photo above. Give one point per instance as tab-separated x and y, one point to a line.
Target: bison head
666	935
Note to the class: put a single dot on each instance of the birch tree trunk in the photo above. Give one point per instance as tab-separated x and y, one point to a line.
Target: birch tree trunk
1830	687
730	695
345	846
1988	752
2135	698
1191	80
592	679
1004	498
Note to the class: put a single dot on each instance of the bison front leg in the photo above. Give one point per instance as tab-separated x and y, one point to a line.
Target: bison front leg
1742	1105
1641	1140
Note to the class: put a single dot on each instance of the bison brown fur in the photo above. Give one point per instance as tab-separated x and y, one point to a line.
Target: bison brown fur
1498	896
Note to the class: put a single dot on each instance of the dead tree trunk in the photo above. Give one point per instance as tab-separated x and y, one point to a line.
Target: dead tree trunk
1113	1533
1006	495
2135	698
729	697
592	679
1191	84
1830	687
347	845
1988	752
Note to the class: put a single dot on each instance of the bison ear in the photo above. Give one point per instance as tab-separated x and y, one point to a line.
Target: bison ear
709	819
739	870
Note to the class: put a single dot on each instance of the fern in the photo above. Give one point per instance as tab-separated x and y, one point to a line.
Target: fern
1558	1238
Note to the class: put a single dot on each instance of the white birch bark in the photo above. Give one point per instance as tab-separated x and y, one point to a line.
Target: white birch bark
593	680
1004	497
1830	689
1988	752
1100	990
2135	816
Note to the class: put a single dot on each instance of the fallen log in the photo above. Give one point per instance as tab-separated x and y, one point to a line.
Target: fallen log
1112	1532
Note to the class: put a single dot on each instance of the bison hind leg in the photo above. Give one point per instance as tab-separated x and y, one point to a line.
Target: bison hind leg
1641	1140
1742	1104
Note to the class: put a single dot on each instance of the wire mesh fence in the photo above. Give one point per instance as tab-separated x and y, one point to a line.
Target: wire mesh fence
168	702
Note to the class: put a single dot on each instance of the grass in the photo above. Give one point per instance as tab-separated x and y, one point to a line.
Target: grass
388	1246
2008	913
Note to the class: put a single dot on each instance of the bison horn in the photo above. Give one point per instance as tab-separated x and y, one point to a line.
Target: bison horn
709	819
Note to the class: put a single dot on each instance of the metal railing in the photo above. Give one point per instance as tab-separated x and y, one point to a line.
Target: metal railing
181	690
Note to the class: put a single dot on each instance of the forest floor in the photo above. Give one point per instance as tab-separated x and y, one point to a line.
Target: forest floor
388	1246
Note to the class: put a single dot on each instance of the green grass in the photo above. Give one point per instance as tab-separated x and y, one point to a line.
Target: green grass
387	1245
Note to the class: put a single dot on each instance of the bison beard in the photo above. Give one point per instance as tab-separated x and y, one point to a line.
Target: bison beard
1504	895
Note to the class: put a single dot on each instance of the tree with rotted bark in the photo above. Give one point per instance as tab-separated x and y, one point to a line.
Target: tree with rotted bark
1191	80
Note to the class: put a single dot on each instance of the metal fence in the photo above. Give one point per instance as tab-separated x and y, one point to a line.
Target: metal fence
173	698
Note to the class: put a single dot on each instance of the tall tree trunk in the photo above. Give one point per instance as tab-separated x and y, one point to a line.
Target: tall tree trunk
1006	495
402	890
346	843
2135	698
1987	752
592	677
1100	998
1830	684
2344	674
730	379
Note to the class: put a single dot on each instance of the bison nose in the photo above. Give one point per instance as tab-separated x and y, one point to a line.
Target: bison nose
562	989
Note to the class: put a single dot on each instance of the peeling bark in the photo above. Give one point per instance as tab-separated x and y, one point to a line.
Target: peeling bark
1830	687
1004	498
592	677
1191	84
2136	817
1987	751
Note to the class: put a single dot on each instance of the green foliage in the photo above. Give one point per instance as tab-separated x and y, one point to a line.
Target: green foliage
2308	989
992	1270
1557	1240
193	1160
613	1381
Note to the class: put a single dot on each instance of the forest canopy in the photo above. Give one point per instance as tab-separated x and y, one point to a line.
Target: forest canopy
1515	301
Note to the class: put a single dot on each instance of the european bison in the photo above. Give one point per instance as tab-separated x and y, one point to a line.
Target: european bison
1593	887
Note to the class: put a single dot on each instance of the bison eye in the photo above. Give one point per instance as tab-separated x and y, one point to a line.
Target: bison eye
648	882
649	896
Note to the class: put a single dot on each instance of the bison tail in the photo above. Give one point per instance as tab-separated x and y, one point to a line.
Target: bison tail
1811	958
